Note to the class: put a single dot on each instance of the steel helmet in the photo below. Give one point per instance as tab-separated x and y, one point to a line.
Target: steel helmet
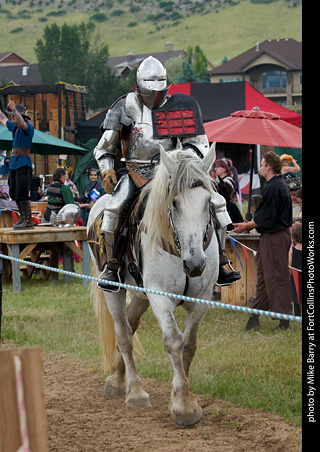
152	82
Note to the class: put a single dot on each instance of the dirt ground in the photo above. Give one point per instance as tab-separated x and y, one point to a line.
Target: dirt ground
83	418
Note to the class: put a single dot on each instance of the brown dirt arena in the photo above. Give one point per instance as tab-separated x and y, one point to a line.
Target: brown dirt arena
82	418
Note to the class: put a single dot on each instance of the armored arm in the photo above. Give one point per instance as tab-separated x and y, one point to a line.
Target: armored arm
199	143
104	153
106	149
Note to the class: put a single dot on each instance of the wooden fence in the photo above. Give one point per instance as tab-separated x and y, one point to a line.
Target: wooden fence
23	421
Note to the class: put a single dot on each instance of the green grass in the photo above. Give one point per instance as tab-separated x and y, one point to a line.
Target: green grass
260	371
227	33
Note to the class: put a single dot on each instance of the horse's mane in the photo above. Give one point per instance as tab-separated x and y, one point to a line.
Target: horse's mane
161	191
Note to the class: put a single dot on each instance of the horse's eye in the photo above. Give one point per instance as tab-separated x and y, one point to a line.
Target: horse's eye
174	203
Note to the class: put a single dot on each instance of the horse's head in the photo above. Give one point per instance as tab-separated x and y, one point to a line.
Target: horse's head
189	193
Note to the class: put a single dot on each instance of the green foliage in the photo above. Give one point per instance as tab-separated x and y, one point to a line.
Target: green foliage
72	54
117	12
99	17
188	74
17	30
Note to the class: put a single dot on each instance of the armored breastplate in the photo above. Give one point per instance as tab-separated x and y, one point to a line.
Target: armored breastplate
141	145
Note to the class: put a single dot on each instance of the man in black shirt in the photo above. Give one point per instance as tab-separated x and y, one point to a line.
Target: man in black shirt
272	219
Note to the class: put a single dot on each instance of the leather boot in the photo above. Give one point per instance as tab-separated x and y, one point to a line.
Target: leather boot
112	271
226	278
283	325
21	214
253	323
27	221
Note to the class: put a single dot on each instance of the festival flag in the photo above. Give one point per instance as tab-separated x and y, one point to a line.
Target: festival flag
248	260
235	248
295	275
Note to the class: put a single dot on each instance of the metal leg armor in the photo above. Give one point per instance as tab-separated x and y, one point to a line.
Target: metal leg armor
225	278
115	232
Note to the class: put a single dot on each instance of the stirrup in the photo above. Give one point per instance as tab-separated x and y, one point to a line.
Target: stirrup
106	287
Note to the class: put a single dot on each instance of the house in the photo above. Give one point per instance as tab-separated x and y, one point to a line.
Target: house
273	67
15	70
123	65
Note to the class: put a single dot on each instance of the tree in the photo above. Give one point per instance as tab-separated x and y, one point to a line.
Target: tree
188	74
73	54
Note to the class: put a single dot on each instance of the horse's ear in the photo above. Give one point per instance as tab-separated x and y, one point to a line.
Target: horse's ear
168	162
209	158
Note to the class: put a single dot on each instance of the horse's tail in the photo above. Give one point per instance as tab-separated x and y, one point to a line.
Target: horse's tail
108	343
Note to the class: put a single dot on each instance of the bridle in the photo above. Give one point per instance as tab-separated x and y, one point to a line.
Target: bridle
209	228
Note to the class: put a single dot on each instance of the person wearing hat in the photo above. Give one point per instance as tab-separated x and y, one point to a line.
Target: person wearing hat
20	163
286	160
294	184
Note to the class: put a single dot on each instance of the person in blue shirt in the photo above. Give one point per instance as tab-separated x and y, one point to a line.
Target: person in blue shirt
20	174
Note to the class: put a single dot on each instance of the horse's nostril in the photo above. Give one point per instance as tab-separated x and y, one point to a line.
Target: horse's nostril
193	271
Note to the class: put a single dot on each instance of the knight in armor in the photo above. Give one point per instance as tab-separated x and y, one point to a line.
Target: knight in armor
135	125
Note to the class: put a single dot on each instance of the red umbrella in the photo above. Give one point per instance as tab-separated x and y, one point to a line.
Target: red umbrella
254	127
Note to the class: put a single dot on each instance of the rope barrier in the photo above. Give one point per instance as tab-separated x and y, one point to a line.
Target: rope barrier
158	292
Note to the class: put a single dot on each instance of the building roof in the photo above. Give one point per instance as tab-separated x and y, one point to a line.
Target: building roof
22	74
287	51
11	58
117	64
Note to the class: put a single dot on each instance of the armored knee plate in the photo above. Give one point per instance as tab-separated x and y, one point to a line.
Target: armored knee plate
222	216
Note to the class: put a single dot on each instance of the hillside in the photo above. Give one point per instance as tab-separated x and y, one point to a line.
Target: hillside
222	28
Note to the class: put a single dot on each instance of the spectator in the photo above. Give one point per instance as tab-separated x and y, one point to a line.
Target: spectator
93	191
272	219
294	184
295	261
226	187
299	197
59	195
286	160
72	186
20	174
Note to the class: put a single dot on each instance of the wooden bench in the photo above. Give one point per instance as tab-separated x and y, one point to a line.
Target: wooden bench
46	244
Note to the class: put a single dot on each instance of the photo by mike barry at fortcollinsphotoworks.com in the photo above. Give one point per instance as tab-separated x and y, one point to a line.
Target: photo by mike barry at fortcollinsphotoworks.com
310	336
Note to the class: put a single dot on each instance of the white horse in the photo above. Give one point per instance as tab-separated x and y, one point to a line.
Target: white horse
183	187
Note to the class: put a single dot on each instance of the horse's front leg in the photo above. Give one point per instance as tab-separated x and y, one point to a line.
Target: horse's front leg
135	395
184	406
195	314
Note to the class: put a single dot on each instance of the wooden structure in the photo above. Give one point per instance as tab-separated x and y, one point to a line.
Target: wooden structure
238	294
45	244
56	109
12	415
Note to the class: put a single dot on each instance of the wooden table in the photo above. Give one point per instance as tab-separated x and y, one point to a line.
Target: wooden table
46	243
238	294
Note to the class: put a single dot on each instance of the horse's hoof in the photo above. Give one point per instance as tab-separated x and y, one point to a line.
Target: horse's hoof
114	390
185	420
138	400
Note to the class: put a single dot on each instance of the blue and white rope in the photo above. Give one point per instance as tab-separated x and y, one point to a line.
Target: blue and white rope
159	292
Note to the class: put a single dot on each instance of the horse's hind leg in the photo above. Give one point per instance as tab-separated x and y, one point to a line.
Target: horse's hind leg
125	374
